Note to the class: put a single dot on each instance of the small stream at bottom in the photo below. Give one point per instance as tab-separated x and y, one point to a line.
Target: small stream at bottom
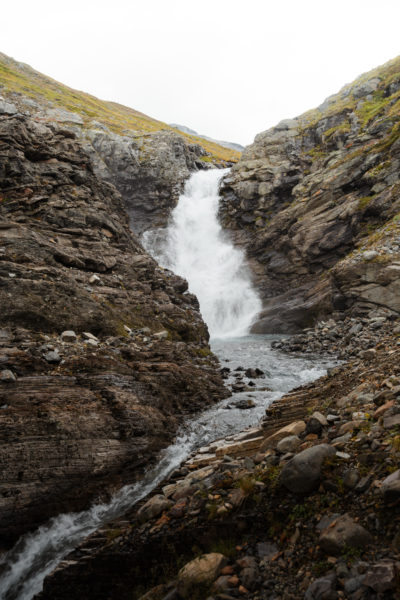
35	555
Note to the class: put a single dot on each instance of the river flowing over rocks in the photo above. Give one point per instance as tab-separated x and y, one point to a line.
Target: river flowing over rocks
135	463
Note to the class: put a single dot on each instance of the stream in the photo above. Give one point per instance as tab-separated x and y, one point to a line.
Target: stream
195	247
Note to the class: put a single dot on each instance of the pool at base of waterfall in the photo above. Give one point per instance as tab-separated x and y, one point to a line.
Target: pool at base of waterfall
280	374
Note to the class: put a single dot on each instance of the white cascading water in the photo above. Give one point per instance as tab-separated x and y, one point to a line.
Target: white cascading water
195	247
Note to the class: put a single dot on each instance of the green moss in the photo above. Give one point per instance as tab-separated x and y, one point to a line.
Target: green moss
370	109
344	127
203	352
317	153
364	202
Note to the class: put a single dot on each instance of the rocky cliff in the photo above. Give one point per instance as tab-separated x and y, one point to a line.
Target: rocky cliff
148	161
102	353
315	201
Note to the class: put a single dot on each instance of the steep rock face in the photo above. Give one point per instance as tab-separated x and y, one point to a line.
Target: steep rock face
313	189
82	414
149	171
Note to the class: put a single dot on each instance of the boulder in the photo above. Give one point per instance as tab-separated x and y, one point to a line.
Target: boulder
342	534
153	508
201	571
382	577
294	428
391	487
302	473
68	336
7	376
288	444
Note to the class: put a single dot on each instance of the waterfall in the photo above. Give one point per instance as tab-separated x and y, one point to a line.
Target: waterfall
195	247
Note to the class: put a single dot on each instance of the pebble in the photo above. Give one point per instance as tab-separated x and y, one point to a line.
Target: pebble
7	376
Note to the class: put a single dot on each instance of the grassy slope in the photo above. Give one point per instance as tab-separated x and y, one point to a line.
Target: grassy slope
380	105
20	78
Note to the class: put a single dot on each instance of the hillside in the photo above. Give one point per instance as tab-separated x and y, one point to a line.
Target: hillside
148	161
20	78
316	203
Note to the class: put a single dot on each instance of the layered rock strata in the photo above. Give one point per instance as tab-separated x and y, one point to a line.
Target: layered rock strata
84	411
315	201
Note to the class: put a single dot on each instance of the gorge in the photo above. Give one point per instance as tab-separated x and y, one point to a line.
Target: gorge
109	379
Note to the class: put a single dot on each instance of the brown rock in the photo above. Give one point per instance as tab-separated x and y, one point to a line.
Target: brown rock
200	571
343	533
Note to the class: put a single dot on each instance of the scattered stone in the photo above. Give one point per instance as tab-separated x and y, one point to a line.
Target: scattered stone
68	336
390	488
288	444
161	335
391	421
52	357
200	571
254	373
382	577
7	376
302	473
244	404
89	336
323	588
295	428
94	279
350	479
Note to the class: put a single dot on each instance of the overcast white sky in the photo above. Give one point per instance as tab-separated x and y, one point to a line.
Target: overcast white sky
226	68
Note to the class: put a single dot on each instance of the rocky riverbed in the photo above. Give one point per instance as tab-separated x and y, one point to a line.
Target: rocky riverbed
345	337
305	506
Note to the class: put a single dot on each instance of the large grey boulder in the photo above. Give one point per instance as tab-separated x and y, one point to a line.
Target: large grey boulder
302	473
342	534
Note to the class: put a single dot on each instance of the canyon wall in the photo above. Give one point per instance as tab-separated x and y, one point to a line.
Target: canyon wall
315	201
102	352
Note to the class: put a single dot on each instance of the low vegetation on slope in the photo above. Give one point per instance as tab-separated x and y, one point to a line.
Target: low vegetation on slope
22	79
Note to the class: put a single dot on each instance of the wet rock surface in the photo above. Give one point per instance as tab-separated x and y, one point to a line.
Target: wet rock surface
102	353
337	539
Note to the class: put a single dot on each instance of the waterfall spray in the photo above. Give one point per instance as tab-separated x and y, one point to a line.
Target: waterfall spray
195	247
